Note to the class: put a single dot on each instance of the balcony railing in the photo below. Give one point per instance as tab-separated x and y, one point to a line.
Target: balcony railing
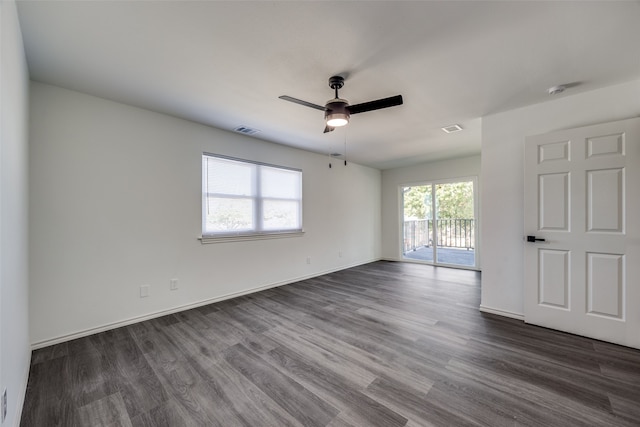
452	233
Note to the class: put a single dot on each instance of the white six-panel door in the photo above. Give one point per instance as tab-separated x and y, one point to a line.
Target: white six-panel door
582	196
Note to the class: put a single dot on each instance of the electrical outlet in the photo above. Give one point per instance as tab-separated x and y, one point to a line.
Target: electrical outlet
173	284
4	404
339	254
144	291
308	260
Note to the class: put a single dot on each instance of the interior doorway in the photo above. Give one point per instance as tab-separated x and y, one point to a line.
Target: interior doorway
439	223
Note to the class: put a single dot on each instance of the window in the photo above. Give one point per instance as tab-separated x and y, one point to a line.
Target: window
243	198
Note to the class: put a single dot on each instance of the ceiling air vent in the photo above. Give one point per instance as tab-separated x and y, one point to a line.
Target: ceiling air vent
452	128
246	130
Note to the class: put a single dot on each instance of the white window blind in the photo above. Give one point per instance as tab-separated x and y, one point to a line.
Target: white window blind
244	198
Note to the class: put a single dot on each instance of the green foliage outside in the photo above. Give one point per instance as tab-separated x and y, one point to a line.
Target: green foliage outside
454	201
417	202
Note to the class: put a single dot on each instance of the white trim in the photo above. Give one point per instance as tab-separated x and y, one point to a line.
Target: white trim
504	313
255	162
417	261
137	319
22	393
243	237
433	264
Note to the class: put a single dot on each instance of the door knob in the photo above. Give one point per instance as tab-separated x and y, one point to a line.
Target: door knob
534	239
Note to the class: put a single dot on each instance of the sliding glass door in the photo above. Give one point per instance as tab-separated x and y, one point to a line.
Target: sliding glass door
418	236
439	223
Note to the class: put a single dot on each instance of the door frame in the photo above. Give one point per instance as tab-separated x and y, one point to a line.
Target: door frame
476	212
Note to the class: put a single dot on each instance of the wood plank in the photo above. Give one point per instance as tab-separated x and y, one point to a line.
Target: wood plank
295	399
336	389
110	410
386	343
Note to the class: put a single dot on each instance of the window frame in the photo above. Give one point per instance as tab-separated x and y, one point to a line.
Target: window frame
258	231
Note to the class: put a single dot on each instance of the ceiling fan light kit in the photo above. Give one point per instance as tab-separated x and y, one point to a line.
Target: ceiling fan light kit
337	111
337	119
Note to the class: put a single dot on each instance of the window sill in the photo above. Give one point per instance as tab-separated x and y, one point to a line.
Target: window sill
246	237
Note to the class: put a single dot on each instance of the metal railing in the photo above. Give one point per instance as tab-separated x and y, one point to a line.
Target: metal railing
452	233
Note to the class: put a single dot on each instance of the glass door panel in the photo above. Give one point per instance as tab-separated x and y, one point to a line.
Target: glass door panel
418	223
455	223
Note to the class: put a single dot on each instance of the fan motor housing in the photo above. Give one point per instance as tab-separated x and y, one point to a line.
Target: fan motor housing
336	105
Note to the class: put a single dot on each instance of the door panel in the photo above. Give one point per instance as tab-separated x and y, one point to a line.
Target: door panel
554	201
606	145
553	282
581	198
605	285
605	201
553	286
553	151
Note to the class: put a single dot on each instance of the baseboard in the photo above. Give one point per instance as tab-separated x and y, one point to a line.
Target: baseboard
412	261
137	319
503	313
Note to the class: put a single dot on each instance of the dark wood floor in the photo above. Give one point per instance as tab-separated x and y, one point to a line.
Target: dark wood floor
384	344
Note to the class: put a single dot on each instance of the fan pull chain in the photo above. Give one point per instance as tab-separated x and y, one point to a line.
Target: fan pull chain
345	146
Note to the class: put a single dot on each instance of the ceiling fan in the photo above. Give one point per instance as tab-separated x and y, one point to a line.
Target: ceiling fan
337	111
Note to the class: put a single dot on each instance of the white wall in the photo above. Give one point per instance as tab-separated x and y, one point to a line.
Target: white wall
15	353
392	179
503	137
116	203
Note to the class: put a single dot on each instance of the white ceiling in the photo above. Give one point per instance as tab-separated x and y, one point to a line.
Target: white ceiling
224	64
